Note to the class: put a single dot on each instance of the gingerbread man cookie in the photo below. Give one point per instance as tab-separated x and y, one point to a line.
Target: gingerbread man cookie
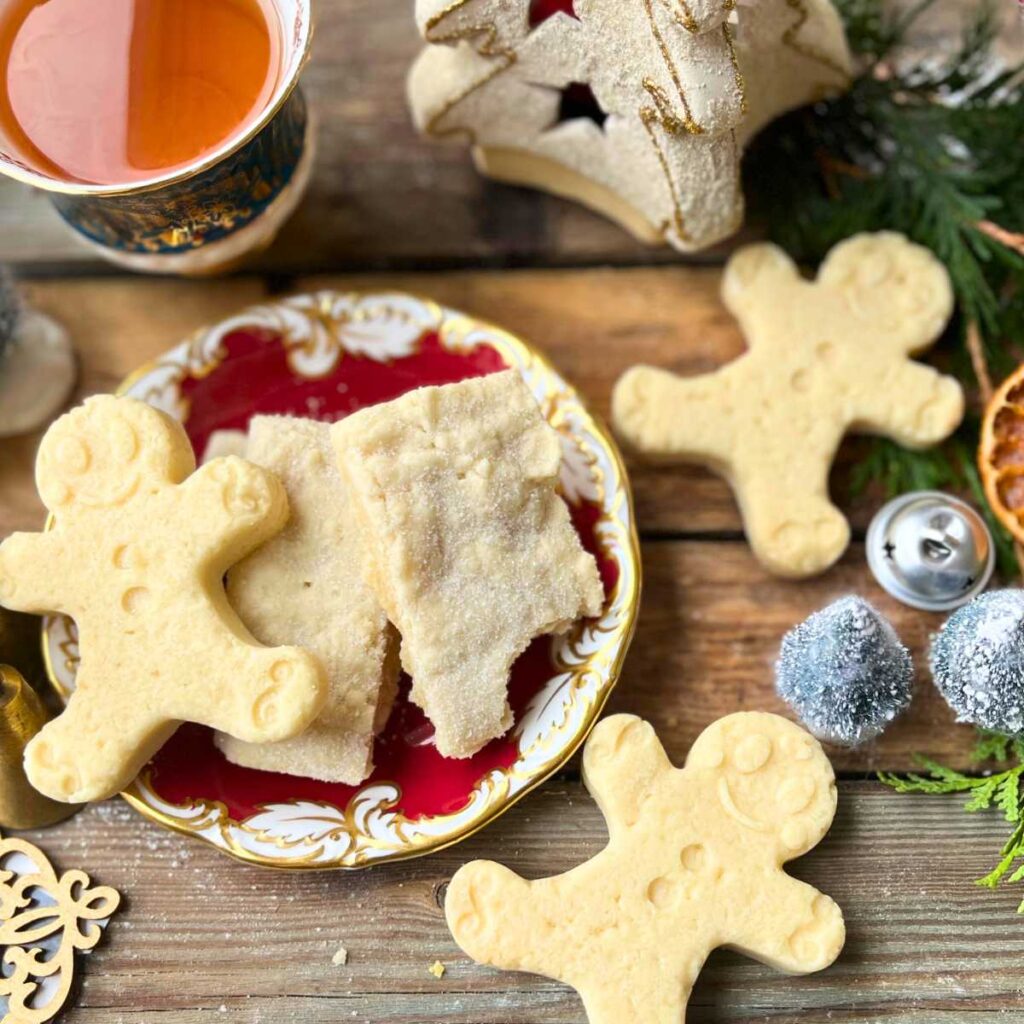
136	556
825	357
693	862
633	109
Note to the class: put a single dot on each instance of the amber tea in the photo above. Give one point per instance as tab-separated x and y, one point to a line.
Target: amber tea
110	92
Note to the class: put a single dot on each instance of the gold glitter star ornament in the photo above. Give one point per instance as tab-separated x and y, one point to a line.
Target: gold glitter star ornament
636	108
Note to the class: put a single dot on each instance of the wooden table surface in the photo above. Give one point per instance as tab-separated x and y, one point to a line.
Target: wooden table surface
202	938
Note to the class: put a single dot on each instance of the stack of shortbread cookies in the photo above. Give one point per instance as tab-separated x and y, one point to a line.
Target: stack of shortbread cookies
430	525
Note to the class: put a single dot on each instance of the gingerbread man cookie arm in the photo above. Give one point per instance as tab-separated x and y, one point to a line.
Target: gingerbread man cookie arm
623	740
249	505
755	279
915	405
480	900
790	926
33	568
680	419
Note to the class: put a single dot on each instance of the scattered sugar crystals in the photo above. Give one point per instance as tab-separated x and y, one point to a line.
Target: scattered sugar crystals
845	672
978	661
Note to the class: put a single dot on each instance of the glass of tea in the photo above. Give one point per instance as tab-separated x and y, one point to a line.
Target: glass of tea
170	133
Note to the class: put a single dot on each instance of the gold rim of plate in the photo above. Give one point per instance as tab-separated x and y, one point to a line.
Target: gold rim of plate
318	331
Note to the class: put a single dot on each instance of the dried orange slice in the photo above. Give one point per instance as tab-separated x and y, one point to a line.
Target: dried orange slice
1001	453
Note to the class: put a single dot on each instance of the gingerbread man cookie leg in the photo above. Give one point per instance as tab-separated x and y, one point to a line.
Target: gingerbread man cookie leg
136	555
655	1003
80	743
790	522
277	691
808	930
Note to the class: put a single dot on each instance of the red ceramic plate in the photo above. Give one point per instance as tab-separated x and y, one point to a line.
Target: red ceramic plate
325	356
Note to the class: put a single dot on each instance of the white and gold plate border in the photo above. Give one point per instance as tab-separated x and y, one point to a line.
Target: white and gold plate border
318	331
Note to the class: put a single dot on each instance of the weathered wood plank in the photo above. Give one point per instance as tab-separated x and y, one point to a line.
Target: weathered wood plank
710	625
712	619
594	325
200	933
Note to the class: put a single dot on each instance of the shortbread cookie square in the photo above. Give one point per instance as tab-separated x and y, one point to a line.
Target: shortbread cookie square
140	544
306	587
472	551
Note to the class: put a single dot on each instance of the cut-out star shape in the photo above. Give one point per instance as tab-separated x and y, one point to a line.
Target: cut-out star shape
541	10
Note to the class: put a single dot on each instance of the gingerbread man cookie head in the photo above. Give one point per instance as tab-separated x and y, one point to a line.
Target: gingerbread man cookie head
898	290
770	779
104	452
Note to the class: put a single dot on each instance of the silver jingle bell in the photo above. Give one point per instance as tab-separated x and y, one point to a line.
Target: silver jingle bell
930	550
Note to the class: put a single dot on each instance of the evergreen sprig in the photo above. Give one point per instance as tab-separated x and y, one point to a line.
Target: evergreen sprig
1002	791
930	147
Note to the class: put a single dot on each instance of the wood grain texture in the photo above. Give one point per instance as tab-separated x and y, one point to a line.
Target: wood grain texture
708	635
201	938
594	324
711	618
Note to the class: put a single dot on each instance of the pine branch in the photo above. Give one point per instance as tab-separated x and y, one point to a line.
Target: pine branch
933	151
1001	791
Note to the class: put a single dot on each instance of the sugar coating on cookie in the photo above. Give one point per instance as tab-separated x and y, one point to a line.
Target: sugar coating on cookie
137	554
693	862
977	661
825	357
845	672
659	151
472	551
305	586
